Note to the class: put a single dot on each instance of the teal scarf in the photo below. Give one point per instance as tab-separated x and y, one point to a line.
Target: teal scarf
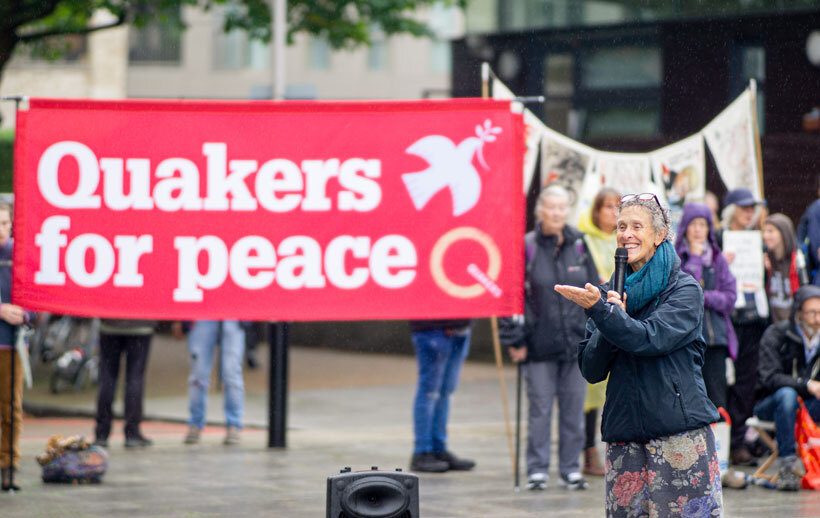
648	282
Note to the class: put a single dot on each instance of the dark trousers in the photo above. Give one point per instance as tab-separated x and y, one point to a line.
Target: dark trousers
741	396
714	375
136	350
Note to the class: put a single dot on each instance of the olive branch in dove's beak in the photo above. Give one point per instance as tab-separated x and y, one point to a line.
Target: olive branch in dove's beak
485	133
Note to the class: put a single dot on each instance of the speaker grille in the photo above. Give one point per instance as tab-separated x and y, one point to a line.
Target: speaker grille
405	514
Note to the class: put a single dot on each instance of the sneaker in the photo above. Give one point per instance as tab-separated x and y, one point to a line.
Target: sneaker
103	443
573	481
138	441
537	481
787	479
454	463
427	462
231	436
193	435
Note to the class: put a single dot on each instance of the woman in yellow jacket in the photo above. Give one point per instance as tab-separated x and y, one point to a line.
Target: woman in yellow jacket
598	226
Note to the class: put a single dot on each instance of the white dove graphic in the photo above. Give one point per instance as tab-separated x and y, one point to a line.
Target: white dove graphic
450	166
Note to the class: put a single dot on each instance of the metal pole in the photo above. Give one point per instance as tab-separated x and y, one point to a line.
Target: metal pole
517	430
278	385
279	37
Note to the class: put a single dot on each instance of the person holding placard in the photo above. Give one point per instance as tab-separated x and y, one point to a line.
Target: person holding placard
743	249
701	257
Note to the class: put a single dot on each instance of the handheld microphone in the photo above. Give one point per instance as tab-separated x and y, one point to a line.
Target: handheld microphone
620	271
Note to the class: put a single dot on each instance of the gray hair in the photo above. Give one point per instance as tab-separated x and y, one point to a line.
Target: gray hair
728	215
658	215
553	190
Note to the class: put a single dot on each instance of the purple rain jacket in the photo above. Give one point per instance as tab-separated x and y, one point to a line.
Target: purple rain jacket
719	285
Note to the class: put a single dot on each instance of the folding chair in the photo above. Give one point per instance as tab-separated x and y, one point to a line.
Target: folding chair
765	429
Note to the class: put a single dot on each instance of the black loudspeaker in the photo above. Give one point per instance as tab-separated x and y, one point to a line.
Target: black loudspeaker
373	494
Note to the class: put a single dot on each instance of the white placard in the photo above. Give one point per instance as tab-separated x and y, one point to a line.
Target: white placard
745	247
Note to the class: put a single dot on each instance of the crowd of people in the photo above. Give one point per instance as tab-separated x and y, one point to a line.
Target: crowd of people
681	342
659	360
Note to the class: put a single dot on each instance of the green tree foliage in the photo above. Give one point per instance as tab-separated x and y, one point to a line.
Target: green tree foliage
344	23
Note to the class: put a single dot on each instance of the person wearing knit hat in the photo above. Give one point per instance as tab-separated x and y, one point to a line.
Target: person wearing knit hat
790	367
781	270
740	211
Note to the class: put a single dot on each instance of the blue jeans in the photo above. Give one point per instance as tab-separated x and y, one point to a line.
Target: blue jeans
440	357
202	339
781	407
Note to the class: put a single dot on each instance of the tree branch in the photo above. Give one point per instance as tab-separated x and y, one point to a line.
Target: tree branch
84	30
22	14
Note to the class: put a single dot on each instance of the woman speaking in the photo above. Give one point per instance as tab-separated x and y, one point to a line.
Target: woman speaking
660	454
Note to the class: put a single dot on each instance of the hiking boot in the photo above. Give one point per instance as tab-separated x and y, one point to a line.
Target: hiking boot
573	481
427	462
7	484
454	463
138	441
592	463
231	436
787	479
193	435
537	481
742	457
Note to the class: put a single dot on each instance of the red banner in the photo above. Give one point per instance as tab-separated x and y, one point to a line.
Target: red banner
269	211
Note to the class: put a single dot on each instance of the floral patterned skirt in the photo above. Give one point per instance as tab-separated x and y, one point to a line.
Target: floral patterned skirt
671	476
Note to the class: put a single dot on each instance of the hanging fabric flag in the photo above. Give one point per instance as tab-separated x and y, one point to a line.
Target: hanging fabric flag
533	129
680	170
731	137
565	162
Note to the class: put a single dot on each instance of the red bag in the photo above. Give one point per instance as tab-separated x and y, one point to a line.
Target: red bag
807	435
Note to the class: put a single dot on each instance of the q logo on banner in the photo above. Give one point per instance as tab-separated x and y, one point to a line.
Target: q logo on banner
486	281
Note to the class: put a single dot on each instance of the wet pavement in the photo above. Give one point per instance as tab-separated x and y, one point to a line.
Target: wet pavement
345	409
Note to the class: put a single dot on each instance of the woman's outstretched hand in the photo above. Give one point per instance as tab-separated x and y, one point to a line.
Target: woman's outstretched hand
585	297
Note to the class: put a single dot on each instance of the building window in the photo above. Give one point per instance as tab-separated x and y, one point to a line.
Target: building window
319	52
236	50
67	48
559	90
617	91
377	55
624	67
158	42
441	57
749	62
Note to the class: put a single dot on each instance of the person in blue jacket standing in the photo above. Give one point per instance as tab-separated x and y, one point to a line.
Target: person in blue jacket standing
660	455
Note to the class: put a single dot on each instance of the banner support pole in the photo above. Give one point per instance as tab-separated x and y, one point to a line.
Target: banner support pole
758	147
485	80
278	384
